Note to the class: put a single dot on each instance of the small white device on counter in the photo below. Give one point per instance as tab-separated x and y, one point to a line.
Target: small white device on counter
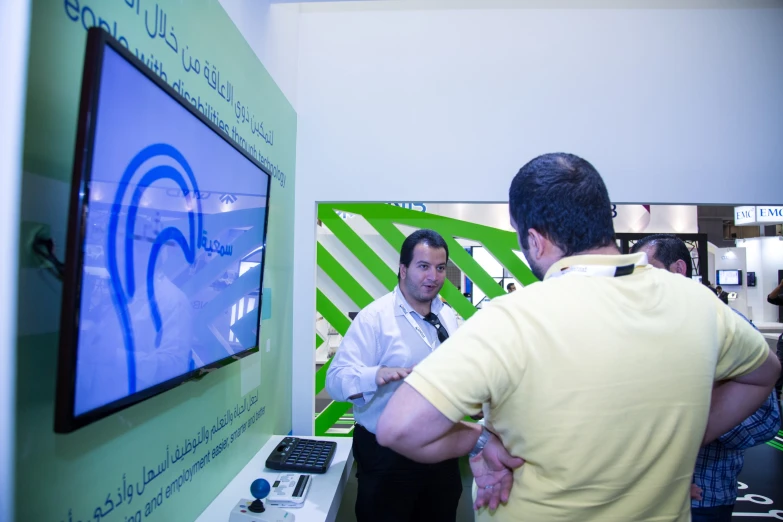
243	512
255	510
289	490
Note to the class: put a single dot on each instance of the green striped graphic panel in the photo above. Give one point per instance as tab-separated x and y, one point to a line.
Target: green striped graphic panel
342	278
339	322
384	218
331	414
357	246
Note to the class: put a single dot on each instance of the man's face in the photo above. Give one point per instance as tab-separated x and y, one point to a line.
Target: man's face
424	277
512	288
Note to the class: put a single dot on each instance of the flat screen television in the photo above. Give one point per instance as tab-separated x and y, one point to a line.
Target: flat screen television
165	245
729	277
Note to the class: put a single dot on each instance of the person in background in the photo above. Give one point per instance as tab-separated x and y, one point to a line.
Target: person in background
592	376
719	463
775	297
723	296
511	287
385	340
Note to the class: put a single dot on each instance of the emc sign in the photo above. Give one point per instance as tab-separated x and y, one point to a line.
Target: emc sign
758	215
771	213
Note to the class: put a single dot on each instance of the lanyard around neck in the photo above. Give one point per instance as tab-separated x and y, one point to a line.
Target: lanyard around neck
600	270
409	316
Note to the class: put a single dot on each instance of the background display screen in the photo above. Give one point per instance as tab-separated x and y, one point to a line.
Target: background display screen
729	277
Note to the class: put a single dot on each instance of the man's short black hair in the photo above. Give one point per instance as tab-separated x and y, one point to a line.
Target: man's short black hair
562	197
668	249
508	286
423	236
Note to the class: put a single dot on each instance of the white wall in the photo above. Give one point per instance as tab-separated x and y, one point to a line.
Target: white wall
669	104
765	257
272	30
14	29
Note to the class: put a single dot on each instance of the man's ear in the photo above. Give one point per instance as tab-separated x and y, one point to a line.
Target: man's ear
537	244
403	271
679	267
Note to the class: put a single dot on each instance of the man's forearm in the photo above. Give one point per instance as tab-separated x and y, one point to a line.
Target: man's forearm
456	442
776	292
757	429
732	403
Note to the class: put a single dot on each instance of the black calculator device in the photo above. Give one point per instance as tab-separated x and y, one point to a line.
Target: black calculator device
305	455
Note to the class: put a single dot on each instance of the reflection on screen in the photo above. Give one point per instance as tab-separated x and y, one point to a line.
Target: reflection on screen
173	244
728	277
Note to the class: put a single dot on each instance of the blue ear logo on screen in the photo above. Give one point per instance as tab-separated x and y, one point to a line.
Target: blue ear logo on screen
136	176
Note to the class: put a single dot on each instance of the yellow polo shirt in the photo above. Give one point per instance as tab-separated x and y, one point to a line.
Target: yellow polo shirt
602	384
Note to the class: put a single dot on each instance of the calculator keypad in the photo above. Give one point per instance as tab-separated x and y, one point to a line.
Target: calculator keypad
311	456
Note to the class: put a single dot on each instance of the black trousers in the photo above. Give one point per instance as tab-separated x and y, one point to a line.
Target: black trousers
712	514
393	488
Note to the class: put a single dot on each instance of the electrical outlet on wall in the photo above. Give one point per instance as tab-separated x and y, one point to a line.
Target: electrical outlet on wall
27	235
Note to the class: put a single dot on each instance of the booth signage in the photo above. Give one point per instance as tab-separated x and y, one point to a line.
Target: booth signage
768	214
744	215
758	215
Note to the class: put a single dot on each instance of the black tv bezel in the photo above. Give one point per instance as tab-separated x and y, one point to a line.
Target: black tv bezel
65	421
717	276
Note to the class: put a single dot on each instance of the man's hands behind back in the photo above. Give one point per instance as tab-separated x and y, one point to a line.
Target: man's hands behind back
493	470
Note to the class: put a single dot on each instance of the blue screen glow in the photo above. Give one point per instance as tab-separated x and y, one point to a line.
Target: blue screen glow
173	243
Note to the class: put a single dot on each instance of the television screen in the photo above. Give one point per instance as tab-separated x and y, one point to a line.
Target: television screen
165	246
729	277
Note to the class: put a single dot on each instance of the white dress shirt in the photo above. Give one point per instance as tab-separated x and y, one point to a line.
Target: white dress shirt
381	335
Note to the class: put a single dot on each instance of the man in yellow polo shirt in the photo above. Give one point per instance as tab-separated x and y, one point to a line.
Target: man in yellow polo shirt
601	377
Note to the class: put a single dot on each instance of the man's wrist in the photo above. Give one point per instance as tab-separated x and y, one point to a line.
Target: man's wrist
481	442
367	379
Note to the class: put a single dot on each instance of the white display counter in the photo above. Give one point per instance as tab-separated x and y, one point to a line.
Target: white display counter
323	500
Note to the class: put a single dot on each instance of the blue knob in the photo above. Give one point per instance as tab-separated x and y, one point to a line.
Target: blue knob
260	488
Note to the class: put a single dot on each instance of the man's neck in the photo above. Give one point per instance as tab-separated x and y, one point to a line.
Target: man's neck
422	308
610	250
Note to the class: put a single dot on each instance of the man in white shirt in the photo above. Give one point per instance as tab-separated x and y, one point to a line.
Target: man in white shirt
385	341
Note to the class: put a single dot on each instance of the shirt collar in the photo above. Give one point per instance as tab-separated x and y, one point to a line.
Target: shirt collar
401	305
596	260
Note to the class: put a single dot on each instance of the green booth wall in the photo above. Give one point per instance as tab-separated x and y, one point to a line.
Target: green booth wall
103	471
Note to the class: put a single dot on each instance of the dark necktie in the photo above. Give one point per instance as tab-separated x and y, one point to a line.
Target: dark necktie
434	321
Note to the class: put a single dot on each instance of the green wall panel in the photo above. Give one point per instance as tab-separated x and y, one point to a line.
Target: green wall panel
100	472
